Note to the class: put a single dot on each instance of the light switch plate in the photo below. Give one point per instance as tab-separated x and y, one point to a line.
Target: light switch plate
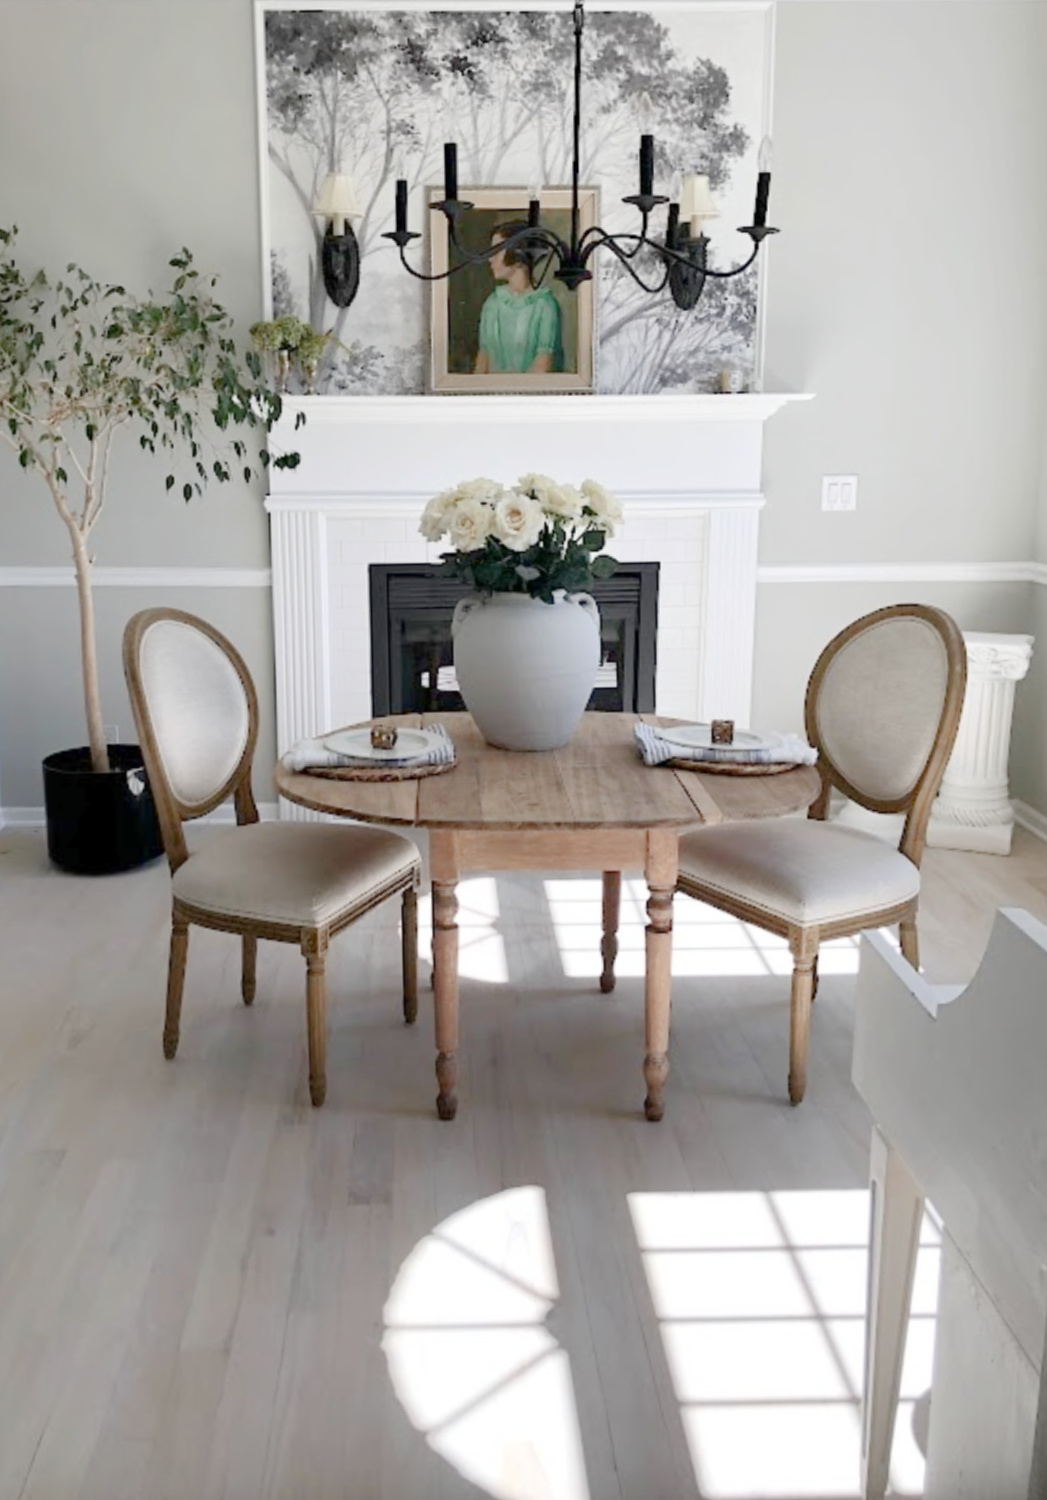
839	492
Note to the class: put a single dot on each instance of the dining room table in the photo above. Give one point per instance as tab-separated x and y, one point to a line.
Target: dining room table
593	805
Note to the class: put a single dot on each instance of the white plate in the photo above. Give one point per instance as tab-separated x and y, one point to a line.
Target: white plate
700	737
410	744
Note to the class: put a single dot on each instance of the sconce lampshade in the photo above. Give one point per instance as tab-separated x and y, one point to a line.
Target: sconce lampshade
337	200
340	256
696	199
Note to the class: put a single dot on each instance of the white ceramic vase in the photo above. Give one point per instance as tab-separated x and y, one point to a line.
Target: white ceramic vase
526	669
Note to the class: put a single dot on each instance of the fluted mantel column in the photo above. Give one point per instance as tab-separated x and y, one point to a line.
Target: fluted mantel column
973	809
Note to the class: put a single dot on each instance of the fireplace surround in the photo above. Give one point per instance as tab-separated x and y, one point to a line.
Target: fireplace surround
687	470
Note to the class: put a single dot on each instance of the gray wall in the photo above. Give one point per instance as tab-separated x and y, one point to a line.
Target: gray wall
906	290
127	130
908	293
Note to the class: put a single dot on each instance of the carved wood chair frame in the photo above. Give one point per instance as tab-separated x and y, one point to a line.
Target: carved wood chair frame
172	813
805	939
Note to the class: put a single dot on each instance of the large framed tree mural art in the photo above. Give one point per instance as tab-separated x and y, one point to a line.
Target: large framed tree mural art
372	89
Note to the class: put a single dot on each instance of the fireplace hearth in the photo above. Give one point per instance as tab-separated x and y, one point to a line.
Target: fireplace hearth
412	657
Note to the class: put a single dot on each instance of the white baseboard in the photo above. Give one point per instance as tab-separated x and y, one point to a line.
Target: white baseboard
1028	817
33	817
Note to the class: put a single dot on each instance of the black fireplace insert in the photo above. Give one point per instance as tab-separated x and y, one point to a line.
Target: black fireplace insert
412	659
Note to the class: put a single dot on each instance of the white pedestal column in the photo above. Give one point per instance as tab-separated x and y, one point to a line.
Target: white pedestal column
973	809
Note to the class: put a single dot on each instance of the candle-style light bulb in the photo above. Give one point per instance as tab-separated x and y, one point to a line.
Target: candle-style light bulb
763	183
401	205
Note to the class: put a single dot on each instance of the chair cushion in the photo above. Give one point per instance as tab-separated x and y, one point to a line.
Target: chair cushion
804	871
304	874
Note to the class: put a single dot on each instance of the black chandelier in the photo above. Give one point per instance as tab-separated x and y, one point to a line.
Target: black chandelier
683	251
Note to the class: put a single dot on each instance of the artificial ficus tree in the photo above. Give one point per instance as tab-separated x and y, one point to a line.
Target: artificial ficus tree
82	360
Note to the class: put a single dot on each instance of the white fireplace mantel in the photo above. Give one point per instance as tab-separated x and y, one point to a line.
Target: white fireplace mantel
687	469
364	411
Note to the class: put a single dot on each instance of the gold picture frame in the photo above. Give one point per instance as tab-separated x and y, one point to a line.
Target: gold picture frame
457	303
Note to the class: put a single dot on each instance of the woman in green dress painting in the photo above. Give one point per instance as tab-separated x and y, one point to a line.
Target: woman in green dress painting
519	322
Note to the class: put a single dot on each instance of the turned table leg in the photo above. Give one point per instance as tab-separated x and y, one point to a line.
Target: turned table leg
612	902
661	872
443	860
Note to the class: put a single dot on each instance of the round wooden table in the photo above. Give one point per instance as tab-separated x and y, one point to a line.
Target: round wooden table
593	805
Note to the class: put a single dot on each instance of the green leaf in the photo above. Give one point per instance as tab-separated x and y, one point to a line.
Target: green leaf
169	482
187	492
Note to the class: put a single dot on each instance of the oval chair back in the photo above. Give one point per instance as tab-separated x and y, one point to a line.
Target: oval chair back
883	708
196	711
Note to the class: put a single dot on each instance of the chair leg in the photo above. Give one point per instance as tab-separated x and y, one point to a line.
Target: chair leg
612	903
804	946
409	938
250	968
814	981
175	983
910	941
314	947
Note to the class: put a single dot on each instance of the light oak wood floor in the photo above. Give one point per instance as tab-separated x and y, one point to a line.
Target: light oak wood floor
208	1289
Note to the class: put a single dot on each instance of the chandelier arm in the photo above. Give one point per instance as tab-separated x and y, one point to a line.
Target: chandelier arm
736	271
625	257
533	234
421	275
600	236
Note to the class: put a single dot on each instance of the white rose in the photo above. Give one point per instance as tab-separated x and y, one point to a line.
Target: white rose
564	501
605	508
518	521
434	517
479	489
469	524
556	499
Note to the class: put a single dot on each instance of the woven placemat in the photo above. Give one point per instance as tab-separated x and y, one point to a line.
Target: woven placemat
735	768
380	773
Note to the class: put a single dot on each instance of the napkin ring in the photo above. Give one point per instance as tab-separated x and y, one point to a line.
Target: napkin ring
723	731
383	736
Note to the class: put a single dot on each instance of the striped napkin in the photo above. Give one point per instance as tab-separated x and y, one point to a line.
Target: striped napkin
309	753
657	746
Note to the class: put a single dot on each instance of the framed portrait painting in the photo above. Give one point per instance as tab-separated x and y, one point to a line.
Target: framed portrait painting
506	323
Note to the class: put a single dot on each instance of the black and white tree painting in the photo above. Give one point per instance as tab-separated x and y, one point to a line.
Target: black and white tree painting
375	93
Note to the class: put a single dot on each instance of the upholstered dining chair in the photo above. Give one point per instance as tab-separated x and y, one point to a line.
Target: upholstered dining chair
196	711
883	707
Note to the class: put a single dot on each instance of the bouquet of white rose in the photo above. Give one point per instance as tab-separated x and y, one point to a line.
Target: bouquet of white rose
533	538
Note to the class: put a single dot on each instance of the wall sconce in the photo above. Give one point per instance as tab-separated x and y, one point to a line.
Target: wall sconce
687	263
340	254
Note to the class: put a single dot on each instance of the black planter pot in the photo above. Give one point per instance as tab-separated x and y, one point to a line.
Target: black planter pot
98	824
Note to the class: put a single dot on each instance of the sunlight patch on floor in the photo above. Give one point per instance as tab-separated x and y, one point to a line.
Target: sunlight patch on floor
481	949
761	1300
705	942
471	1362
